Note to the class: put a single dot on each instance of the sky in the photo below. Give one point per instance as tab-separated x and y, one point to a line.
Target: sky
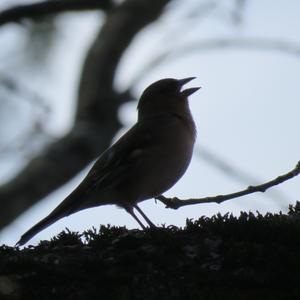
246	112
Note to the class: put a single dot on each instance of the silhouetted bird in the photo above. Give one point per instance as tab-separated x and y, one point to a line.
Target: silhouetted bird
145	162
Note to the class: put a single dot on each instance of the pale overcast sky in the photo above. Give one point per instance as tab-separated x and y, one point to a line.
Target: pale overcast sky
246	112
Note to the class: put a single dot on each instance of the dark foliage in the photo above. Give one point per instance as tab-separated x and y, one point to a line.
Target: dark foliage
223	257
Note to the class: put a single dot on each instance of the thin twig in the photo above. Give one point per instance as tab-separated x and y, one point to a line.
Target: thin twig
176	203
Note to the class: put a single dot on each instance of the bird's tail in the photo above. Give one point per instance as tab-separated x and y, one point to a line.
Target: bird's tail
28	235
67	207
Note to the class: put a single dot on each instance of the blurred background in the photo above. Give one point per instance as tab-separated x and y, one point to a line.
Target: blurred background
71	72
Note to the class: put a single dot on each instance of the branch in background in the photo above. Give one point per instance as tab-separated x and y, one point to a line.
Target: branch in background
36	10
223	166
238	12
235	172
14	85
190	19
181	51
23	144
176	203
40	113
96	120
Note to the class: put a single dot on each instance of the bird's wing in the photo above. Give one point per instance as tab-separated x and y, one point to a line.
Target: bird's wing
116	161
109	169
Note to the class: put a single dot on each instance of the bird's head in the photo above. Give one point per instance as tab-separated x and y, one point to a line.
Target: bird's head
165	96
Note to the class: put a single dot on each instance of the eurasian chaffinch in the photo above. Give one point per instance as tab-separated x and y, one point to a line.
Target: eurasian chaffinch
144	163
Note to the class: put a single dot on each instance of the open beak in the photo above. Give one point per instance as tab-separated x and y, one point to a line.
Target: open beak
190	91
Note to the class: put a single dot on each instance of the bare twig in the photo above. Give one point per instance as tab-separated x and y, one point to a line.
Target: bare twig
34	10
176	203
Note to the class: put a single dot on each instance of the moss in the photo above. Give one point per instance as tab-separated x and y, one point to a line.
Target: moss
222	257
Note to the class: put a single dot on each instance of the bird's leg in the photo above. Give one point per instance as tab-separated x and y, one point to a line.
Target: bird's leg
144	216
130	211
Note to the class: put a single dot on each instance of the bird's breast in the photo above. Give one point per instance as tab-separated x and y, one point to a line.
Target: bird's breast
166	159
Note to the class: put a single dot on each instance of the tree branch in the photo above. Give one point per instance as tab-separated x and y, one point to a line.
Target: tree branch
34	10
198	46
13	85
176	203
96	120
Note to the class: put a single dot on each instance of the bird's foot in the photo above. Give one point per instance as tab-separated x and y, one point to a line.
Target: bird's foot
169	202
